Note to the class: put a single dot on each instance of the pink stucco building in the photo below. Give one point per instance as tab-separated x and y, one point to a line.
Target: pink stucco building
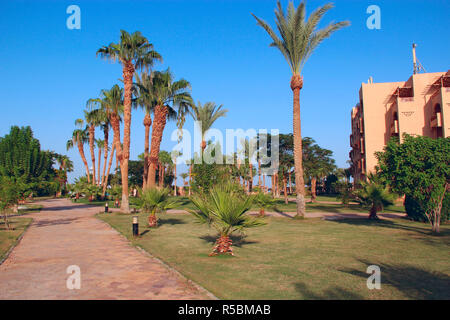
418	106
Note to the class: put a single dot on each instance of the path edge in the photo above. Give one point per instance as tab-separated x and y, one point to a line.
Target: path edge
19	239
164	264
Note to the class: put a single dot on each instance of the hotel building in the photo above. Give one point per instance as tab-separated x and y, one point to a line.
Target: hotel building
418	106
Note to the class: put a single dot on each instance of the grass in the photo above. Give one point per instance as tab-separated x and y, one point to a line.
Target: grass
9	238
304	259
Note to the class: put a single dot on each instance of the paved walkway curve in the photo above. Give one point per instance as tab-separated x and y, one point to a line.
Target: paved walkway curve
65	234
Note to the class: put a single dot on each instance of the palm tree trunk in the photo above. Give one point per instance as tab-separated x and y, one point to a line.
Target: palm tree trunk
159	122
250	182
373	212
99	163
190	180
259	173
83	157
105	182
175	179
285	189
296	85
91	147
264	182
106	136
147	124
290	182
313	189
128	72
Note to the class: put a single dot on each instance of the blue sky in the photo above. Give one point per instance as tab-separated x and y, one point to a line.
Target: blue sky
48	72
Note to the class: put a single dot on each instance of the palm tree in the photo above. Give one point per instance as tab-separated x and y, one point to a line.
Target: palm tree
100	145
299	38
134	52
207	115
224	209
175	154
264	201
144	86
184	176
153	201
110	104
93	119
79	138
65	166
171	101
375	196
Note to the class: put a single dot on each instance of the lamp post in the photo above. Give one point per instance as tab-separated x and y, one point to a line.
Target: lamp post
106	207
135	226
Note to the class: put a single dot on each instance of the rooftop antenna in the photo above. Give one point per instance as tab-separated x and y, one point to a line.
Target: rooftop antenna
417	65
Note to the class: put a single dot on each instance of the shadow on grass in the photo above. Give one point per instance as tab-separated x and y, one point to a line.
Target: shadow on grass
391	224
238	240
413	282
170	221
324	208
329	294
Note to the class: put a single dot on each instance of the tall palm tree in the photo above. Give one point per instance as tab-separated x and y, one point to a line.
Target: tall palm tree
175	154
110	103
134	52
92	121
100	145
171	100
144	85
79	138
207	115
299	38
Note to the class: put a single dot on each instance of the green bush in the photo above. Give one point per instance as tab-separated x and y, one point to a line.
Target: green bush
416	213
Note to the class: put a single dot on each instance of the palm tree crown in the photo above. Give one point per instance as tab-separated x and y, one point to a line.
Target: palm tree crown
207	114
131	48
299	36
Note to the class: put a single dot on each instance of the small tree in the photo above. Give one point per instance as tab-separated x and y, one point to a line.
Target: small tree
224	208
153	201
264	201
9	197
375	196
419	167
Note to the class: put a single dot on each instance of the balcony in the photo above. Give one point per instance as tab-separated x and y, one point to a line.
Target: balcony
436	121
406	92
361	142
361	125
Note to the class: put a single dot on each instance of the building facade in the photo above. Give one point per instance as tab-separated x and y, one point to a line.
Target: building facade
418	106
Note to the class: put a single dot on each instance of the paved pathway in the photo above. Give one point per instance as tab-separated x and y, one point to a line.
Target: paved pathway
65	234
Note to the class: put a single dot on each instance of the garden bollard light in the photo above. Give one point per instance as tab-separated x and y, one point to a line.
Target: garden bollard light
135	226
106	207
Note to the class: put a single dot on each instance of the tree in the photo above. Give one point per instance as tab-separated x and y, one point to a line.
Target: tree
92	121
224	208
100	146
299	38
374	195
207	115
419	167
171	101
134	52
22	160
9	197
153	201
264	201
110	105
175	154
317	163
65	166
144	85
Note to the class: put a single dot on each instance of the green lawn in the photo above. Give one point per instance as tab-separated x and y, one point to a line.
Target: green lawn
304	259
9	237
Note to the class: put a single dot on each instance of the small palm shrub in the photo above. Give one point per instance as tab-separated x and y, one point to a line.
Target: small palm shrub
224	208
116	193
155	201
264	201
345	193
375	196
